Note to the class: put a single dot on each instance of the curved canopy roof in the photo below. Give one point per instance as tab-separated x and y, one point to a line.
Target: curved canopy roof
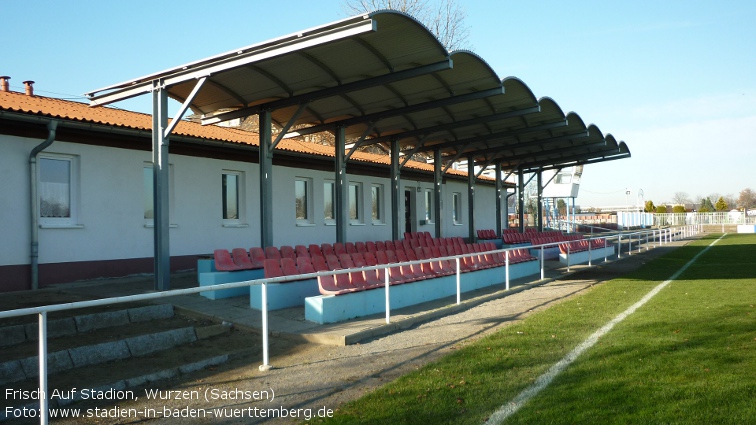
383	76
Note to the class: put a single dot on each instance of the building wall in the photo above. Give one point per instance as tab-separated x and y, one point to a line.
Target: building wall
110	231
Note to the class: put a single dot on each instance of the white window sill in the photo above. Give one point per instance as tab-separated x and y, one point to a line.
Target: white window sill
356	224
330	223
459	224
61	226
305	224
235	225
152	225
378	223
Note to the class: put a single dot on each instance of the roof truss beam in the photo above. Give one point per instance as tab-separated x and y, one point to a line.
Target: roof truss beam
331	91
398	111
135	88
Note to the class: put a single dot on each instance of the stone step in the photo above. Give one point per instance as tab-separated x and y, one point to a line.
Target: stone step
25	329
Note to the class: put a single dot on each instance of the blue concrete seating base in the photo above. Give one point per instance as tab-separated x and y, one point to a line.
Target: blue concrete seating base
335	308
208	275
582	257
549	252
284	295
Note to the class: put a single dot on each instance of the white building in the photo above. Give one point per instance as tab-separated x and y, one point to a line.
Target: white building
94	193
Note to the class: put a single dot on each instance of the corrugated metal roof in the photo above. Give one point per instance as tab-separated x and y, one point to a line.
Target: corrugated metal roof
383	75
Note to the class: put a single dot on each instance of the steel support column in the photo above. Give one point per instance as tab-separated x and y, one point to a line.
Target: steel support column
471	198
539	182
160	181
521	199
437	180
266	180
341	196
497	172
395	193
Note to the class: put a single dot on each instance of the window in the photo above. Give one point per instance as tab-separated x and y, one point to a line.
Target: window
377	202
57	189
355	200
428	206
302	199
328	199
457	208
149	211
232	198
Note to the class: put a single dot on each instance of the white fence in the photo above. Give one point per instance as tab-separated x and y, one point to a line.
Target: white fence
718	218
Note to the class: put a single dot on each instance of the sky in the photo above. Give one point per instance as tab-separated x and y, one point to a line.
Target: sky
675	80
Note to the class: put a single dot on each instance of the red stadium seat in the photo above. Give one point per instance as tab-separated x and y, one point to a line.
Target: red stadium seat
223	261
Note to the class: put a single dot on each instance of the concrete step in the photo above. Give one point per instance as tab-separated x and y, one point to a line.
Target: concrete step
78	388
106	344
23	329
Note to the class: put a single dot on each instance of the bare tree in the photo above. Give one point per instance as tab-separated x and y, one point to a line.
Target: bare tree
747	198
444	18
681	198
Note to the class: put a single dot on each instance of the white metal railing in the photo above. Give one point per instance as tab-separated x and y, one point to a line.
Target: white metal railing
662	235
693	218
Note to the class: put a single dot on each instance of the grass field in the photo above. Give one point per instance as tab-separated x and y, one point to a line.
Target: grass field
688	356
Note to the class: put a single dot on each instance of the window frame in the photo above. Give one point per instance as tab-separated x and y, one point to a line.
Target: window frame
358	204
240	219
308	219
457	208
377	212
74	187
329	188
428	200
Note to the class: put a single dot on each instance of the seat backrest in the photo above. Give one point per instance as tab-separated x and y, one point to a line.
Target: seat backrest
333	262
338	248
391	256
360	247
350	248
304	264
380	246
381	257
327	249
241	259
257	256
358	259
401	255
315	250
223	260
370	259
272	268
319	263
289	266
346	261
370	246
390	246
301	251
287	251
272	253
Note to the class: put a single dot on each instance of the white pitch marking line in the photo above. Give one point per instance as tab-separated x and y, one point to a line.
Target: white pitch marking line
544	380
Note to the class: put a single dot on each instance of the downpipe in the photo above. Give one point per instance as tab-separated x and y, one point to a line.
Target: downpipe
52	127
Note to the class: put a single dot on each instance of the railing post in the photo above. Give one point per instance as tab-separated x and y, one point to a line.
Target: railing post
388	297
639	243
619	246
568	256
506	268
606	256
459	282
543	274
264	292
43	399
590	256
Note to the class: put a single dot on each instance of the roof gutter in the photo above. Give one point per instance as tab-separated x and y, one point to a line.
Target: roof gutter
52	127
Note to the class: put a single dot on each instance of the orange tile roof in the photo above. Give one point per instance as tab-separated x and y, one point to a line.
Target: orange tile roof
77	111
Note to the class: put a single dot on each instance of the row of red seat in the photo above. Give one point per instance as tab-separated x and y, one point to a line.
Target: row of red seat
240	259
527	237
487	234
370	279
555	237
582	245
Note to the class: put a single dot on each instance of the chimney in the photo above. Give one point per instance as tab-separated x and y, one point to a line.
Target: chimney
4	83
29	87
